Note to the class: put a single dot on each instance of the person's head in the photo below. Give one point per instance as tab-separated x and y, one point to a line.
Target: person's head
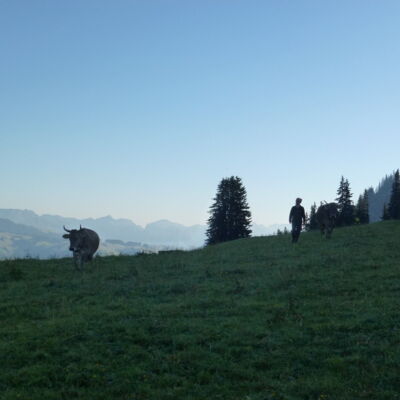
298	201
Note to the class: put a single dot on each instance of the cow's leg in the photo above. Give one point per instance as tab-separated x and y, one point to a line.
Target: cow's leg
86	257
78	260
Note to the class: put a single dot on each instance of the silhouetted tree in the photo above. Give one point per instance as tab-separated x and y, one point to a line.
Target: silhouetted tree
230	215
346	207
385	213
362	214
312	223
378	197
394	203
307	221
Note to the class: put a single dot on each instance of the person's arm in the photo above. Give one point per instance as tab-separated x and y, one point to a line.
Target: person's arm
290	215
304	216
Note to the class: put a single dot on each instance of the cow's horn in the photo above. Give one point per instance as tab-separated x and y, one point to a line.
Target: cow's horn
65	229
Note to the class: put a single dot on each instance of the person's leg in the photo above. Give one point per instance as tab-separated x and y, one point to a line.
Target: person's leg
293	232
297	230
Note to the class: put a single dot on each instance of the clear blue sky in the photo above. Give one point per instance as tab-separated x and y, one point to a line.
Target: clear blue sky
137	109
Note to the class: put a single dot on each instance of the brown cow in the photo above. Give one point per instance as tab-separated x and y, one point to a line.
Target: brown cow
326	218
83	243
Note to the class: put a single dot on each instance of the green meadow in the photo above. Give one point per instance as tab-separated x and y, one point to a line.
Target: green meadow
252	319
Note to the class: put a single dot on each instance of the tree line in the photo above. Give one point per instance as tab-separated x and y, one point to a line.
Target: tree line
230	216
352	214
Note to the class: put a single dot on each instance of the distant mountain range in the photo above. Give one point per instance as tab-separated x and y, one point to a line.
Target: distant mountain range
157	233
25	233
20	241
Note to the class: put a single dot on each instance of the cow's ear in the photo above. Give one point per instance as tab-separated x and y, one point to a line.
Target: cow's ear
66	236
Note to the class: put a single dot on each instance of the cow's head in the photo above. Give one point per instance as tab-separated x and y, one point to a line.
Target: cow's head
76	238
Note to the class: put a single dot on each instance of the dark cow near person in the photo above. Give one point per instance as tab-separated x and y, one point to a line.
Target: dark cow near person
83	243
326	218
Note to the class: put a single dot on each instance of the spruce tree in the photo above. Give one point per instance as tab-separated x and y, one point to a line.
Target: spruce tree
379	196
346	208
312	220
230	217
385	213
365	213
362	213
307	222
394	203
358	209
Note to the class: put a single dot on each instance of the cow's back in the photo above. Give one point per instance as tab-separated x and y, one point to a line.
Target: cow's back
92	240
322	214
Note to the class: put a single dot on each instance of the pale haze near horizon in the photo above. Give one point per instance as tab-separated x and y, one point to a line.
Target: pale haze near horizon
137	109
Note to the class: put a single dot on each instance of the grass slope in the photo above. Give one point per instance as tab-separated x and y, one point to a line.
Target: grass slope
253	319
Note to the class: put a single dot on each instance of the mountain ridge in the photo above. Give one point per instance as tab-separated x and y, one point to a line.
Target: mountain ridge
161	232
21	241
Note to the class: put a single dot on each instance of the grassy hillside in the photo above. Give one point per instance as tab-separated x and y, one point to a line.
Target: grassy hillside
253	319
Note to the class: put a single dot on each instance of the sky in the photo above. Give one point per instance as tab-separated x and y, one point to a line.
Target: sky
137	109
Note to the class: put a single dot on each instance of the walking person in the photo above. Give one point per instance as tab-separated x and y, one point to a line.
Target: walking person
297	217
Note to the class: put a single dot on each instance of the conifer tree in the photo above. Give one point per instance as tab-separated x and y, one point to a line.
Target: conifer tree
312	219
230	217
394	203
346	207
366	207
362	213
307	222
358	209
385	213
